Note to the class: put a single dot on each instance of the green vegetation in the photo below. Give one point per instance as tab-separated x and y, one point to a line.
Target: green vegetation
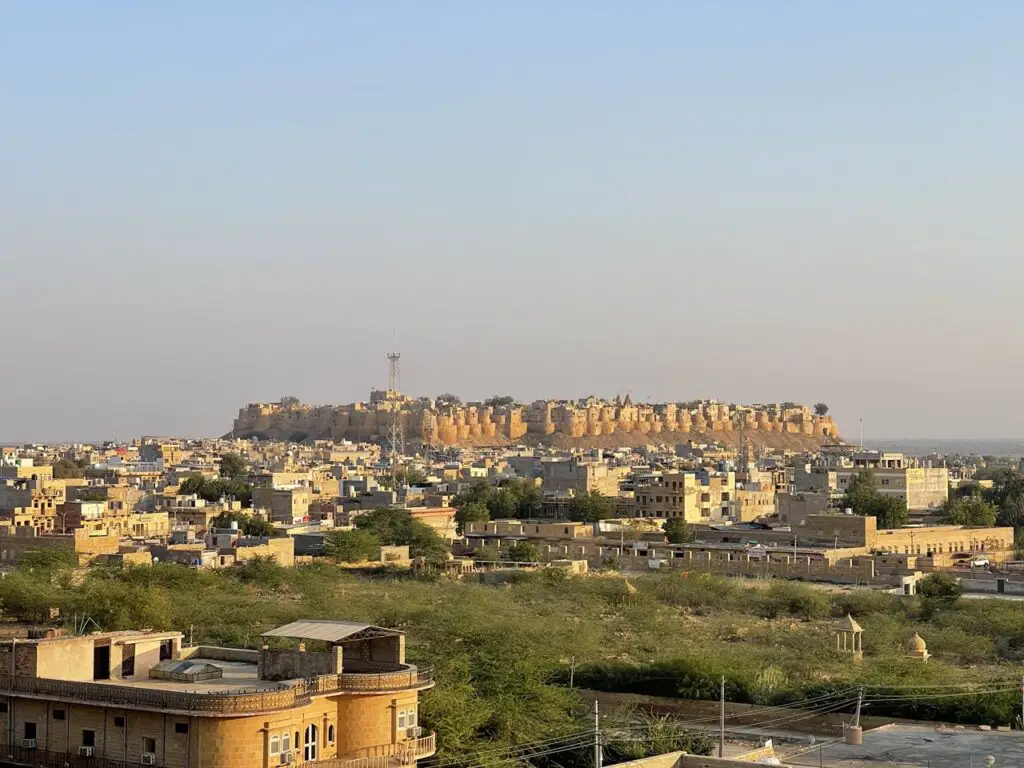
524	552
250	525
1006	494
499	400
395	527
591	507
677	531
820	409
233	466
865	499
215	489
516	497
354	546
65	469
969	510
471	512
502	656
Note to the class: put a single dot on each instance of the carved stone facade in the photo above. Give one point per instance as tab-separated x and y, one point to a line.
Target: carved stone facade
475	424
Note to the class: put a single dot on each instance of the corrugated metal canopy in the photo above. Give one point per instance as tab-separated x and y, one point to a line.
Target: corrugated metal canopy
328	630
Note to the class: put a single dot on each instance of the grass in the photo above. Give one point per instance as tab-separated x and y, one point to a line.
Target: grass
502	654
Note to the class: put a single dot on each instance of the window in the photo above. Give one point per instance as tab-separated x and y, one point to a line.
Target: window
181	727
286	742
166	649
148	746
412	717
401	719
88	737
58	714
275	744
119	722
3	706
30	730
330	734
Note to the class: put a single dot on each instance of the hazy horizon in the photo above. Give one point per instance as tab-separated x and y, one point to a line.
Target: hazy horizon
206	205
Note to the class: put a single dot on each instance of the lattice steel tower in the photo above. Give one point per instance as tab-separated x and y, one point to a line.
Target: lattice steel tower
396	438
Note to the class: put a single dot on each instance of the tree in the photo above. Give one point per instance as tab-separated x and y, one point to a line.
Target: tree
524	552
471	512
938	591
233	466
289	400
970	510
865	499
215	489
499	400
591	507
447	399
395	527
64	469
249	525
820	409
677	531
353	546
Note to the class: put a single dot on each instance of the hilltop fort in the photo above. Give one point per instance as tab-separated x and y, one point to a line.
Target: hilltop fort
592	422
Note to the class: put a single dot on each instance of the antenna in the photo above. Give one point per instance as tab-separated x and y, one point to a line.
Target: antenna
396	438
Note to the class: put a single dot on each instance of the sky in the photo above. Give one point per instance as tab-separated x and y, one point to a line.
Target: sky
208	204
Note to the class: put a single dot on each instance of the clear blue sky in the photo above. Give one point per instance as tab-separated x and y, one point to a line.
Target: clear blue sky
204	204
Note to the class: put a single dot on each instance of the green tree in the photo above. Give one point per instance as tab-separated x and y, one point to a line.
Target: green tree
820	409
471	512
524	552
591	507
938	591
677	531
447	399
233	466
396	527
865	499
249	525
970	510
64	469
215	489
499	400
353	546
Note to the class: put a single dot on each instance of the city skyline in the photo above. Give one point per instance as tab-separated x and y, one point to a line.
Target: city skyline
206	206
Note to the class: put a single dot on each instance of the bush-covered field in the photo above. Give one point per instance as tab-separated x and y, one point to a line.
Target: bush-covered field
502	654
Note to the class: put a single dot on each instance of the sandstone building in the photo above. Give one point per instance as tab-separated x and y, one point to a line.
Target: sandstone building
142	698
427	422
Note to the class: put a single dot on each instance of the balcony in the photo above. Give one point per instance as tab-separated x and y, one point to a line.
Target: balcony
400	677
386	755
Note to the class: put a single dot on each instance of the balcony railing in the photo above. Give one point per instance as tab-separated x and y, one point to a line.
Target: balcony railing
223	703
401	753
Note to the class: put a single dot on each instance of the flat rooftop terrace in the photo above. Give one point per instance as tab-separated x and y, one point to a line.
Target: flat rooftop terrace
916	745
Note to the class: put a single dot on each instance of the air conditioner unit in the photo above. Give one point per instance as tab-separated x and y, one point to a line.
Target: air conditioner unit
414	733
287	758
149	759
85	751
28	743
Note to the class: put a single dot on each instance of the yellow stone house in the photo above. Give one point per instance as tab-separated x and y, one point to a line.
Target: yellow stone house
141	698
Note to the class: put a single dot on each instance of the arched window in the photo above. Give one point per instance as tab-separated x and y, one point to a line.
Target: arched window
286	742
275	744
330	734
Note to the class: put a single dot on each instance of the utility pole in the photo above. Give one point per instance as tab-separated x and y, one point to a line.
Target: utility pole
856	716
721	722
598	760
572	671
1022	703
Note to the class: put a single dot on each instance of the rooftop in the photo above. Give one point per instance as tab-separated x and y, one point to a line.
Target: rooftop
938	747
